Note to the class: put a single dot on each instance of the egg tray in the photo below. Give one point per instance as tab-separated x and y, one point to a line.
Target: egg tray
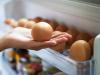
64	63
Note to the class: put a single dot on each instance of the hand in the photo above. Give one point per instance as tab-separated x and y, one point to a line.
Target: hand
21	38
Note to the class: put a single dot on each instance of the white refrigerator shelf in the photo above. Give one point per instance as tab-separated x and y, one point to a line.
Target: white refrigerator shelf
5	68
64	63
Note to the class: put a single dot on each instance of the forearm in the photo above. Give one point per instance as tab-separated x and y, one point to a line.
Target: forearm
2	43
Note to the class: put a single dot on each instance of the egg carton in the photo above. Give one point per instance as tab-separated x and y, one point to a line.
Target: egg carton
64	63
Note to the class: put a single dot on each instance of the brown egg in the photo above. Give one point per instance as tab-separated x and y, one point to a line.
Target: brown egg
59	47
37	19
56	33
22	22
48	21
74	32
14	24
42	31
61	27
91	43
84	36
30	24
9	21
80	50
54	24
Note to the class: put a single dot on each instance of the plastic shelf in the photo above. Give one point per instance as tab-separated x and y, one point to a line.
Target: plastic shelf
64	63
5	68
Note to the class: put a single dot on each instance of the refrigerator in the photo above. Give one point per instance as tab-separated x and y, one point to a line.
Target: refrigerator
84	15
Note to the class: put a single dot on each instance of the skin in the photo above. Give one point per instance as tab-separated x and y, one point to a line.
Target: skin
21	38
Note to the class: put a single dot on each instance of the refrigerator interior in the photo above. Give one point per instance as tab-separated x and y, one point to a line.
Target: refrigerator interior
83	16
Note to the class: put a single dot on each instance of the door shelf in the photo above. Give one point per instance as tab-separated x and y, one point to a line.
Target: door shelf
64	63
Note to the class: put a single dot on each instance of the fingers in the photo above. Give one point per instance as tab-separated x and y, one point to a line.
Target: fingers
60	40
67	35
63	37
58	34
39	45
46	44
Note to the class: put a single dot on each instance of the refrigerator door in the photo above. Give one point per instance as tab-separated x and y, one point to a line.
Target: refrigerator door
97	54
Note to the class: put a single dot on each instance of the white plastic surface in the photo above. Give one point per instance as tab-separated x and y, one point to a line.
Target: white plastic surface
64	63
57	60
97	54
5	68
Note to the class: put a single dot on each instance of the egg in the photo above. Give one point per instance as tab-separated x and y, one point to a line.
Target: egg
61	27
42	31
91	43
56	33
59	47
14	24
80	51
37	19
48	21
22	22
74	32
83	36
54	24
30	24
9	21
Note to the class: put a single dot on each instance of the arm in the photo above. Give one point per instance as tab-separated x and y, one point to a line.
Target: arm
21	38
2	44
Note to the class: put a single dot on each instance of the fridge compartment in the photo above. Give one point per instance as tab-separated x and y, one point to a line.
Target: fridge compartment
21	65
5	68
65	64
83	16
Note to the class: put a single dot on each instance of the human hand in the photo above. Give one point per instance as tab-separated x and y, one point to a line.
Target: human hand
21	38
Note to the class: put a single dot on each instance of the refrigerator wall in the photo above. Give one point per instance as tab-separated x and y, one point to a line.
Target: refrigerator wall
84	16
